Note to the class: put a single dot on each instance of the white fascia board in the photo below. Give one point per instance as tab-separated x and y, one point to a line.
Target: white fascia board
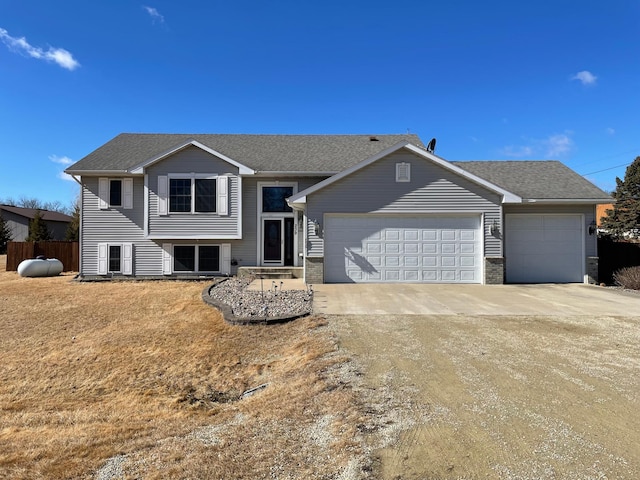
507	197
101	173
299	204
293	174
243	169
583	201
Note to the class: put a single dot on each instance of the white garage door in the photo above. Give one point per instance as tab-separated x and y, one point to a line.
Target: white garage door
373	248
544	248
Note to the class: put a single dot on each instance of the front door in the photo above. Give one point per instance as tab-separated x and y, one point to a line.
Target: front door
277	241
277	224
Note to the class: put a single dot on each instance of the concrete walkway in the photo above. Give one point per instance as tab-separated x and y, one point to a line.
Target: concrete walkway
423	299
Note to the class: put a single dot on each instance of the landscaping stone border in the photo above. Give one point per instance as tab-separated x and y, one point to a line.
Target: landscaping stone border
232	319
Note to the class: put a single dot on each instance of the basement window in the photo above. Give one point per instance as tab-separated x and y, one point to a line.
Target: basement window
403	172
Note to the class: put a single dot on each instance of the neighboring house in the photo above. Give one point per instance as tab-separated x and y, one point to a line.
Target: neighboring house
347	208
18	219
601	212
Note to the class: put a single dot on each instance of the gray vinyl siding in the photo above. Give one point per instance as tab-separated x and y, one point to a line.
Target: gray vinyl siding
113	225
431	190
589	212
208	225
19	227
117	225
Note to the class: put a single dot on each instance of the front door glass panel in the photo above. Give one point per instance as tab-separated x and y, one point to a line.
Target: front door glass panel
272	232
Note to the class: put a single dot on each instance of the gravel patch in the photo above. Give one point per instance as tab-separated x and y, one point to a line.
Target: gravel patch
248	306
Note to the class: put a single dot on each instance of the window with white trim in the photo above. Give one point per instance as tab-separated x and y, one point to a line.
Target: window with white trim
193	194
189	195
115	193
196	258
115	258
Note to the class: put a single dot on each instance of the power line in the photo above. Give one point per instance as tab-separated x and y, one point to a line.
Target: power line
606	169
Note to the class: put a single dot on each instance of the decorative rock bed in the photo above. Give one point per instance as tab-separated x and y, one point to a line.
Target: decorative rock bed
240	306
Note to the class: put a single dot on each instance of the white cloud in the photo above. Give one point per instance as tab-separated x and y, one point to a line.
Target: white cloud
610	131
554	146
517	151
57	55
154	14
60	160
586	77
557	145
64	176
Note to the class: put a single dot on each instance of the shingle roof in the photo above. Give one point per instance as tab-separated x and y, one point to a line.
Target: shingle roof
331	154
542	179
31	213
266	153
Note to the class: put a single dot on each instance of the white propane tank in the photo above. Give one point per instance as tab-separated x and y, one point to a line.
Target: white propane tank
37	267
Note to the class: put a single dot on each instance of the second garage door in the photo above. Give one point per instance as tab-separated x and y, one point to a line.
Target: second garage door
429	249
544	248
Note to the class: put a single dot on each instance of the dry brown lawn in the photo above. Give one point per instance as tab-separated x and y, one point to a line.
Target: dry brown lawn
142	380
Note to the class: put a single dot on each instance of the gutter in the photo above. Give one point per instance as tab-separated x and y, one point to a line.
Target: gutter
584	201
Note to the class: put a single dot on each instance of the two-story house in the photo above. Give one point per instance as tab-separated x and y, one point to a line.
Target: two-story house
346	208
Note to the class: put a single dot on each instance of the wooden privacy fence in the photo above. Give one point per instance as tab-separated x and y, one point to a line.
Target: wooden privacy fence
67	252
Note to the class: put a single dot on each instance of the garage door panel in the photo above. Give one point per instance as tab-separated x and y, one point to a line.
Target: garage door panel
466	275
411	248
429	248
429	235
392	248
467	262
373	247
411	235
448	248
392	275
429	261
544	248
467	248
403	249
411	261
411	275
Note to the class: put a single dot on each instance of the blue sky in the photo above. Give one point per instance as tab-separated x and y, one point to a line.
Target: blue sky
490	80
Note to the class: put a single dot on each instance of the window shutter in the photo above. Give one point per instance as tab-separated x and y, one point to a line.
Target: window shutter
163	187
225	260
103	193
128	193
127	258
166	259
223	195
103	258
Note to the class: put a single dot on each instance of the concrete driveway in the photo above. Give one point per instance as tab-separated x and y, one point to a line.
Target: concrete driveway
423	299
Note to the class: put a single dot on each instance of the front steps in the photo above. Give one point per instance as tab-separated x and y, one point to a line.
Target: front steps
270	272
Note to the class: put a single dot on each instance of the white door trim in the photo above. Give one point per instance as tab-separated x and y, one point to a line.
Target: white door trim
273	215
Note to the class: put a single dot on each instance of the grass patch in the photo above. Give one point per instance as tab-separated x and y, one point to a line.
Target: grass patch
146	378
